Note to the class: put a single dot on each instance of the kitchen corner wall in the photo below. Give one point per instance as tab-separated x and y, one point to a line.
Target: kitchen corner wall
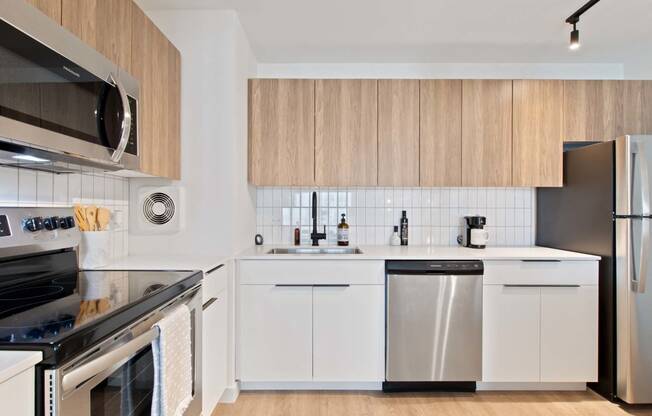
435	214
220	208
29	188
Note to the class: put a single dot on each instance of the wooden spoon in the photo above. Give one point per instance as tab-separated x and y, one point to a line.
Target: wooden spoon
103	218
91	217
80	216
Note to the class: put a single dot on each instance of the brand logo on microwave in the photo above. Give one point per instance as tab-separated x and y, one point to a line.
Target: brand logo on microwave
71	71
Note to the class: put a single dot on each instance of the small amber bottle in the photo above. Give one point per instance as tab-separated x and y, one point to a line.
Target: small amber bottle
343	232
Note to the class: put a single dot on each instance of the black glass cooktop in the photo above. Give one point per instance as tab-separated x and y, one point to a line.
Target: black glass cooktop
47	305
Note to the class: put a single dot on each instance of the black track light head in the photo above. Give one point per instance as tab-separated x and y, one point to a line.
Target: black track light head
574	39
574	19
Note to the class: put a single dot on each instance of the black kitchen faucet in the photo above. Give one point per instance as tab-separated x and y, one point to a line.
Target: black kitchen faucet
315	236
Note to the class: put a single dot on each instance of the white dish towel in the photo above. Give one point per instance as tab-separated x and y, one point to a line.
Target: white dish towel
172	364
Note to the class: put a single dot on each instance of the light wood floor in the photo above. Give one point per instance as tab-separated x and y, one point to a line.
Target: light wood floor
439	404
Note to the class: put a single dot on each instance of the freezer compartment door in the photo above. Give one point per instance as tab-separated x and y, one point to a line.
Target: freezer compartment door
633	164
434	328
634	310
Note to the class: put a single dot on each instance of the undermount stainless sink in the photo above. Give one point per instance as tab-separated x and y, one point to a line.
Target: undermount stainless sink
316	250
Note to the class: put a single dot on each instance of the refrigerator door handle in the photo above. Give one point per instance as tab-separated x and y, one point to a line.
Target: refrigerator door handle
640	279
639	160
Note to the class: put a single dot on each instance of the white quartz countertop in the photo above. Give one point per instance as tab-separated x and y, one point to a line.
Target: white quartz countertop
425	253
13	363
165	262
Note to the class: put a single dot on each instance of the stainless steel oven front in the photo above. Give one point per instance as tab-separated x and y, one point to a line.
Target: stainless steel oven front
116	378
60	96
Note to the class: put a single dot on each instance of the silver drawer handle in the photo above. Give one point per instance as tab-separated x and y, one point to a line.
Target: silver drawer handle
208	304
214	269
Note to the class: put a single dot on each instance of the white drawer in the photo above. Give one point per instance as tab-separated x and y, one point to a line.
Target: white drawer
351	272
518	272
215	281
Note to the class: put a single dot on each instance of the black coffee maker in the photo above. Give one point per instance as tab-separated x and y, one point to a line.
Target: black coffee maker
475	236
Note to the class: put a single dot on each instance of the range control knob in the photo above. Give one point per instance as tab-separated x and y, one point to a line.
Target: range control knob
51	223
67	223
62	222
34	224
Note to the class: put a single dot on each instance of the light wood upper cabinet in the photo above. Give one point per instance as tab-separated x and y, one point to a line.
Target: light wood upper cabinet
487	132
637	107
103	24
51	8
281	132
174	112
156	64
346	132
593	110
441	133
537	136
398	132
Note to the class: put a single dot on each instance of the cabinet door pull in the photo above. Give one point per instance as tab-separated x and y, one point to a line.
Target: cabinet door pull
541	285
334	285
214	269
290	285
208	304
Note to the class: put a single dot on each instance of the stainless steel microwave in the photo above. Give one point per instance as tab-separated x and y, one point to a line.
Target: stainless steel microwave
60	100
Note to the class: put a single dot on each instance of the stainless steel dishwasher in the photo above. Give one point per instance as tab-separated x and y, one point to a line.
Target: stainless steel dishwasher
434	325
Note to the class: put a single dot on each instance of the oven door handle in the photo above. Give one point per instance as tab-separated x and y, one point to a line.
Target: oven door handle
89	370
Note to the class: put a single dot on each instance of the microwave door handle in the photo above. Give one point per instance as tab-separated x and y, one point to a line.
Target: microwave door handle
125	129
85	372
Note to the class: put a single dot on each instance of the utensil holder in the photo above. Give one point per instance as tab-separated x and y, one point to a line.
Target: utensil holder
94	249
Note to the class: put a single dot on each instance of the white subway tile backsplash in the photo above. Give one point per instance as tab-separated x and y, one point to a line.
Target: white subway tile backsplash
24	187
8	186
435	214
44	189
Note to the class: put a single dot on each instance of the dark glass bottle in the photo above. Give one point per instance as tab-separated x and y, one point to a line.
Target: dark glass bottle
404	229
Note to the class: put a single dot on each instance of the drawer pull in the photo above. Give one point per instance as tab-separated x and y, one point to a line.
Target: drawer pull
289	285
216	268
541	285
208	304
343	285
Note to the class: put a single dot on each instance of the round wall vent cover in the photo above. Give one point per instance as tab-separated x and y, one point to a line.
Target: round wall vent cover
158	208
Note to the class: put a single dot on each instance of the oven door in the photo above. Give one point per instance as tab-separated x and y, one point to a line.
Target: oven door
117	377
72	102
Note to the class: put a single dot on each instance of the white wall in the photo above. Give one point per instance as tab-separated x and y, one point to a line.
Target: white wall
447	70
639	68
216	62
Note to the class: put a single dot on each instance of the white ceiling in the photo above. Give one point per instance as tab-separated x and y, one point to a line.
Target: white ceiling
431	31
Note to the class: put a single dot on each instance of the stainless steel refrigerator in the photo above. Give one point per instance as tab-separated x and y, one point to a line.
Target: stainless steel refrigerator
604	209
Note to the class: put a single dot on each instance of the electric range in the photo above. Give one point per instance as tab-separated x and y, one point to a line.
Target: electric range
77	317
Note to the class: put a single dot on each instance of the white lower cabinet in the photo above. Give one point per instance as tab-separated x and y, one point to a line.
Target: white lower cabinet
215	337
215	354
17	394
510	334
276	333
543	330
348	342
311	321
569	329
